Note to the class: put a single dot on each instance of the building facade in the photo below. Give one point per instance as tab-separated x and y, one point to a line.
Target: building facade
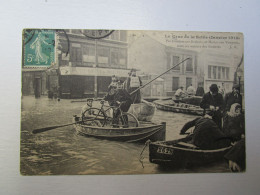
87	69
217	68
153	58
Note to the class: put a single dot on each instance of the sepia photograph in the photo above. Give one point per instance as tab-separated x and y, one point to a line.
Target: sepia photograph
122	102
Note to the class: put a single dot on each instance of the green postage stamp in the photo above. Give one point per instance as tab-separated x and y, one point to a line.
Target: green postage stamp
39	47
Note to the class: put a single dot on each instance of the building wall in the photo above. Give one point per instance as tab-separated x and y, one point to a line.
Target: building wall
152	57
30	79
217	68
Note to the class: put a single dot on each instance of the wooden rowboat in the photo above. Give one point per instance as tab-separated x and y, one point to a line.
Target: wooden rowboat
170	105
181	153
141	133
143	111
194	100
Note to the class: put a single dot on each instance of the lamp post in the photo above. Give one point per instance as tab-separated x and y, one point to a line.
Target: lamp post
239	75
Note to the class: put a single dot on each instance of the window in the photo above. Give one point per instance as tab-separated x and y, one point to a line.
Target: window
175	83
89	58
209	71
227	73
76	55
175	60
118	58
223	72
189	67
214	72
218	72
188	82
103	56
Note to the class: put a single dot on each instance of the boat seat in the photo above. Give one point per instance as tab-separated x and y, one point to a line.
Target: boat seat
187	144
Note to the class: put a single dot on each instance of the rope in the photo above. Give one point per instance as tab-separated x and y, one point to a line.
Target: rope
141	154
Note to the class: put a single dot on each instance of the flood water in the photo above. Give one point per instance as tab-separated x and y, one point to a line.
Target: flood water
62	151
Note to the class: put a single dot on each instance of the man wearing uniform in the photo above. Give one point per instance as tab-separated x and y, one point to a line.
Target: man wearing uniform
133	83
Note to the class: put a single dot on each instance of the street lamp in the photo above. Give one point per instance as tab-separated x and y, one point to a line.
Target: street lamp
239	75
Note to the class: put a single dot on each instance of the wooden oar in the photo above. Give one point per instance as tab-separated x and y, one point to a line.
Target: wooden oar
35	131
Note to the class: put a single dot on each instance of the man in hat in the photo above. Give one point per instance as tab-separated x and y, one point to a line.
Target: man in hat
232	97
206	134
214	102
119	97
133	83
114	80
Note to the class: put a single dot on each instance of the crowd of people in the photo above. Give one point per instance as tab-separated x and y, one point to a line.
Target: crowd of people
221	124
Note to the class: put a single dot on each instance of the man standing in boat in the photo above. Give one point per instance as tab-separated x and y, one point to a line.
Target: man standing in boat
214	102
133	83
191	90
118	97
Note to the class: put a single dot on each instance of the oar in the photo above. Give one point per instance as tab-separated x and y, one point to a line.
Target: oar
158	76
35	131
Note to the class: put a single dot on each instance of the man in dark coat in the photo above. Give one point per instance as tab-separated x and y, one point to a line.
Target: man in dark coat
118	97
214	102
232	97
237	156
206	134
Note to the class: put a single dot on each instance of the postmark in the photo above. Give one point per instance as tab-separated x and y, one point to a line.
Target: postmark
39	46
97	34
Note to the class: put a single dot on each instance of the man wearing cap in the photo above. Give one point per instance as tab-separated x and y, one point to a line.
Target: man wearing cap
232	97
214	102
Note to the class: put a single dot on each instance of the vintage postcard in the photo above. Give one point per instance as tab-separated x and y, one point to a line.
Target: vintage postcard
131	102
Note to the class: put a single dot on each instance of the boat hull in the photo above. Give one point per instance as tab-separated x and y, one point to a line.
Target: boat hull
143	111
169	105
193	100
173	153
147	131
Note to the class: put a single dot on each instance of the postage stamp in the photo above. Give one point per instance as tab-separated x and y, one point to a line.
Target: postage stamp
39	47
132	102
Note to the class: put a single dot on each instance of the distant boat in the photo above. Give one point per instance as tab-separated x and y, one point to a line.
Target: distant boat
181	153
142	133
143	111
193	100
170	105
